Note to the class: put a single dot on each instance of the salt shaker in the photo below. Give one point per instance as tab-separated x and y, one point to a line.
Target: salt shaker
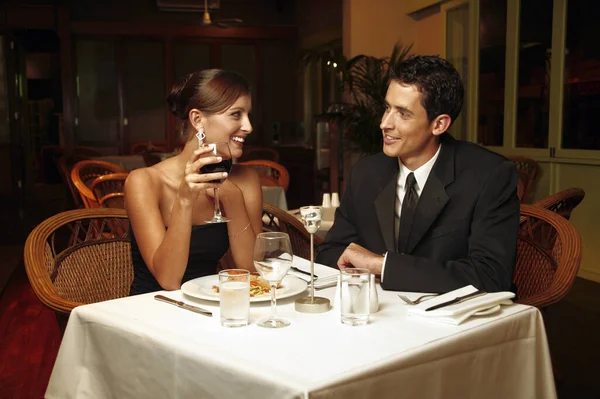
374	297
335	200
326	200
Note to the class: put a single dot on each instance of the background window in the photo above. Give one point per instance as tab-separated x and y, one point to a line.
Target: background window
492	61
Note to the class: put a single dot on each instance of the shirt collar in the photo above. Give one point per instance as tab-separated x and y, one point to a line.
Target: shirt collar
421	173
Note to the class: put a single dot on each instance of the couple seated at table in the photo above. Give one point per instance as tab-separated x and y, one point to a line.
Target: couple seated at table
429	213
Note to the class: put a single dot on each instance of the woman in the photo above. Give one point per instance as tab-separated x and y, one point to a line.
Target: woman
167	203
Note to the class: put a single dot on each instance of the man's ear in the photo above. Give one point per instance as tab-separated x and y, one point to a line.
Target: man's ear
440	124
196	118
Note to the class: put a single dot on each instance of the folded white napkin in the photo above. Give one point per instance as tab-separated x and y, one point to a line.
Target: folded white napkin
457	313
327	276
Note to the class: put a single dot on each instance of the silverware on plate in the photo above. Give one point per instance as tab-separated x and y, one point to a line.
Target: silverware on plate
183	305
458	299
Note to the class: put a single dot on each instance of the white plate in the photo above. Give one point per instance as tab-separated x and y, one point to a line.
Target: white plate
201	288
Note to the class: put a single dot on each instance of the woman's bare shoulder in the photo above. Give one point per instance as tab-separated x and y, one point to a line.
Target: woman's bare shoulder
245	175
144	179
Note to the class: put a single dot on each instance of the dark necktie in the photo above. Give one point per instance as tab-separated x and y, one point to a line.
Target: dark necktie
409	205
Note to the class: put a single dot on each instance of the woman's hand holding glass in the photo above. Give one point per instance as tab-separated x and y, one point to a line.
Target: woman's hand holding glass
195	182
220	149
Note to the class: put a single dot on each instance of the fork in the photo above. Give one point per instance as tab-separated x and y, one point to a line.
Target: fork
417	301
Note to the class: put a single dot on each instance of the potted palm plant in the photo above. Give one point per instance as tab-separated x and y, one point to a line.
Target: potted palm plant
365	80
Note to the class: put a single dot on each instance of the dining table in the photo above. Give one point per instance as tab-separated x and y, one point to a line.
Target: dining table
275	195
138	347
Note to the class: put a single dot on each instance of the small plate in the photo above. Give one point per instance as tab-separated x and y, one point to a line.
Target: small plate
201	288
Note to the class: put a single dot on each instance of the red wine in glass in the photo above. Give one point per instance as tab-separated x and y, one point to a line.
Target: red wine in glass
221	149
223	166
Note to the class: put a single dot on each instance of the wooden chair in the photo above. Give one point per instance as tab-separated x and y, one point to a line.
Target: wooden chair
140	147
254	153
271	173
276	219
562	202
78	257
548	257
85	172
108	190
527	169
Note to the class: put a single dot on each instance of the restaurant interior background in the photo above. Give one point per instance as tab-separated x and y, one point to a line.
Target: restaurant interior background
96	73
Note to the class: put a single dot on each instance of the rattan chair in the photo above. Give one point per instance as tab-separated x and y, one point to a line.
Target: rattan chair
65	164
527	169
108	190
271	173
79	256
276	219
548	257
85	172
562	202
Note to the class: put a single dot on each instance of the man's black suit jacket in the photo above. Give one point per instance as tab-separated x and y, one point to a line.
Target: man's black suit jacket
465	226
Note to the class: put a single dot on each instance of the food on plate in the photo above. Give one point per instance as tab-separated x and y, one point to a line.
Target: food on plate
258	286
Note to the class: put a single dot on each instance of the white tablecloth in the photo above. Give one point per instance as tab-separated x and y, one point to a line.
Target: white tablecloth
275	196
137	347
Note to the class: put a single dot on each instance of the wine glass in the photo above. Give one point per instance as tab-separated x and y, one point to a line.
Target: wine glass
273	259
218	149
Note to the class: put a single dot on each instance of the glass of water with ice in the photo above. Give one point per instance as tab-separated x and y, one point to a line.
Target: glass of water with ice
234	297
355	296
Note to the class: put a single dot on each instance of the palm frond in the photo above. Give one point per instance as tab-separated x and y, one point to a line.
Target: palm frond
365	79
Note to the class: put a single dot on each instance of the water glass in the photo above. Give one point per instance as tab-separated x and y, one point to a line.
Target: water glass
354	296
234	297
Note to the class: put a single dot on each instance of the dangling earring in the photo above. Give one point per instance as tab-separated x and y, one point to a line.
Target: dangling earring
200	135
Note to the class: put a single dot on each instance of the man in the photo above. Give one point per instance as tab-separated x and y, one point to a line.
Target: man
430	213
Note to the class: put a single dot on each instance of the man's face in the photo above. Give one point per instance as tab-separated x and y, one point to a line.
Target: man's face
407	133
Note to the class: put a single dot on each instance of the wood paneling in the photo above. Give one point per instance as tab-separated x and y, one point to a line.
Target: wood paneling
29	17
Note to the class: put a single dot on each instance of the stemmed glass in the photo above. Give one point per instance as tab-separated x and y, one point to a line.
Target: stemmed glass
218	149
273	259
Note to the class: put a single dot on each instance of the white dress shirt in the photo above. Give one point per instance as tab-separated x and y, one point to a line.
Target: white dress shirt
421	176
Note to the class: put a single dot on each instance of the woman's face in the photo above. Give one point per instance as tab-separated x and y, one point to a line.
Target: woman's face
231	126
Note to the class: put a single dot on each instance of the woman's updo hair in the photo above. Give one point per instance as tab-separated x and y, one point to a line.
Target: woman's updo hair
212	91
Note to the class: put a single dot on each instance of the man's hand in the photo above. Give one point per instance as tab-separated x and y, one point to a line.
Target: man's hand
356	256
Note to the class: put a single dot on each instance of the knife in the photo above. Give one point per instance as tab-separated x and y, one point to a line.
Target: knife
456	300
183	305
294	268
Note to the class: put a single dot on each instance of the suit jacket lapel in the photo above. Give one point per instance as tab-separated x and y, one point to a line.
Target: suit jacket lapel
385	203
433	198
